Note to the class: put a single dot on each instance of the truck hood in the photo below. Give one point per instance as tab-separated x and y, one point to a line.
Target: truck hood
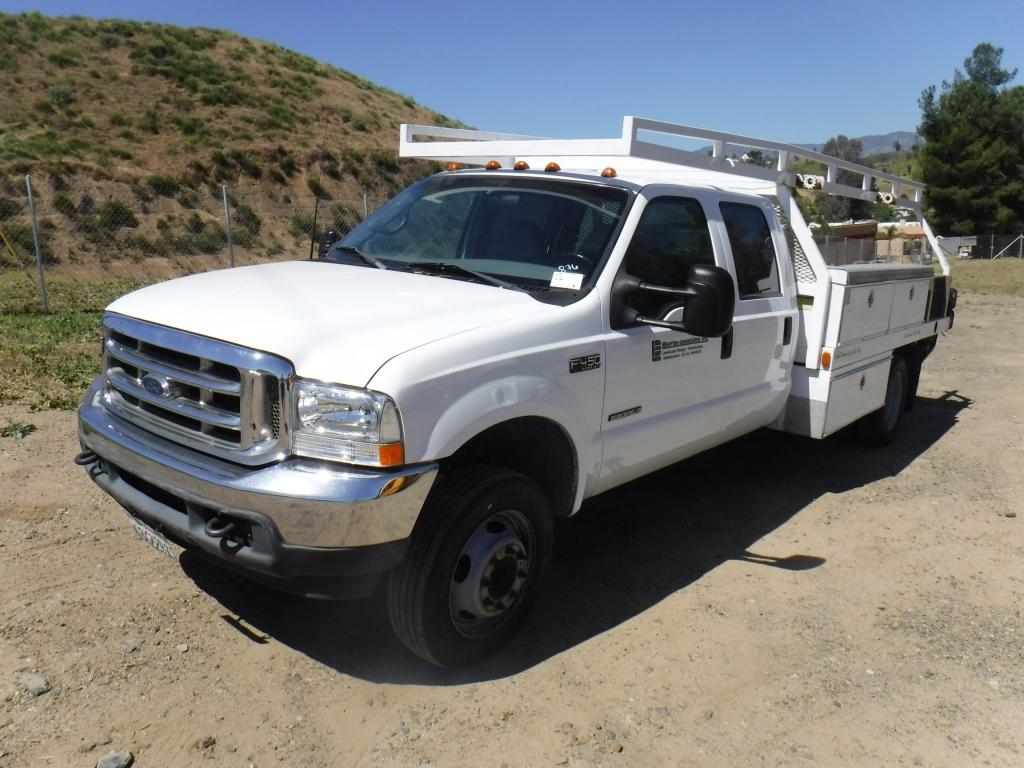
334	322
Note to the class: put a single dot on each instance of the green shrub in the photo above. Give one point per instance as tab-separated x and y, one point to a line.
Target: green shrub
165	186
195	224
108	41
9	208
62	204
150	121
318	189
248	165
61	96
385	160
190	126
329	164
226	95
302	227
114	215
211	240
247	218
63	58
120	120
288	165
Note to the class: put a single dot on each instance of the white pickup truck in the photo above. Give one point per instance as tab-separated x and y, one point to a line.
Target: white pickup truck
487	351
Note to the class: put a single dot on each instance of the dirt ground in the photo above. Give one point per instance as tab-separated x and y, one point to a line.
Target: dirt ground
778	602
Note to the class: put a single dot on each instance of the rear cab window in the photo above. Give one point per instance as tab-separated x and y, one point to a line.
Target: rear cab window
753	251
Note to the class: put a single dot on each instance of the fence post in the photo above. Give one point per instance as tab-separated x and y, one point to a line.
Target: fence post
366	205
227	224
991	244
35	242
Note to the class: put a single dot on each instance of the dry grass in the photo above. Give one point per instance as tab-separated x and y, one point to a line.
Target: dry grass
1002	276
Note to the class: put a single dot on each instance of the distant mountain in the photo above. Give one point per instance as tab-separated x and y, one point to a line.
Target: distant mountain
877	144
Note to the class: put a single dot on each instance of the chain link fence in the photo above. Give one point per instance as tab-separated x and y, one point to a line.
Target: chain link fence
74	249
67	247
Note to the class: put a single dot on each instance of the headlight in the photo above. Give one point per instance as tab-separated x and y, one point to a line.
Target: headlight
347	424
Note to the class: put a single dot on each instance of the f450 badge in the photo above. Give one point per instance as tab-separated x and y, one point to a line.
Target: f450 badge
584	363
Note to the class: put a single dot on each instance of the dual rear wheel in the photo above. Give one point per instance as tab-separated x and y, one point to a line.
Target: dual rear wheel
879	428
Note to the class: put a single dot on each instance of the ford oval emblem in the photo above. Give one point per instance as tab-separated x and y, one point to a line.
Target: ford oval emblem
157	386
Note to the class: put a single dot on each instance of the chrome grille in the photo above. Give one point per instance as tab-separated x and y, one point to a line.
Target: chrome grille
215	397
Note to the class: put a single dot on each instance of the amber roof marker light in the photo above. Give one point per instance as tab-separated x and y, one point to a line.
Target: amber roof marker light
521	165
454	166
492	165
552	167
609	173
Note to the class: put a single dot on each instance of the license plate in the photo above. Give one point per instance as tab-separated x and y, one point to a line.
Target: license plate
154	539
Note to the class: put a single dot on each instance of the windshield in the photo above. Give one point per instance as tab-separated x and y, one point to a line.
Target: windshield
533	233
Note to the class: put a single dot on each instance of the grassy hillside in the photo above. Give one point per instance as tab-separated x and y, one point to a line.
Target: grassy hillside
129	129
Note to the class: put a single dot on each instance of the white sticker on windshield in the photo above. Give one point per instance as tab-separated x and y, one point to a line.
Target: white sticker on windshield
567	280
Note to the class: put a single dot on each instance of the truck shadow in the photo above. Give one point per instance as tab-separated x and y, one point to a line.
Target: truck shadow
625	552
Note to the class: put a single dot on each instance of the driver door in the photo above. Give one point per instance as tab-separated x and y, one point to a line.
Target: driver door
666	393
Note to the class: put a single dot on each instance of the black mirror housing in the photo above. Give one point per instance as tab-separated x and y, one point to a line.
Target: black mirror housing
329	238
710	306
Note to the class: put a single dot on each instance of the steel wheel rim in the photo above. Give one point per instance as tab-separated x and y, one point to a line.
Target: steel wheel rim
892	400
491	573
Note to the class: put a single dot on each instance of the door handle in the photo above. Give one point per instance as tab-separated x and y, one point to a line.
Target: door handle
727	345
787	331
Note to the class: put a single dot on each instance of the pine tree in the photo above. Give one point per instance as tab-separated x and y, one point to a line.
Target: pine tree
973	156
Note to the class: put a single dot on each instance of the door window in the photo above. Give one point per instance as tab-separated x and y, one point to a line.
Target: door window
672	236
757	269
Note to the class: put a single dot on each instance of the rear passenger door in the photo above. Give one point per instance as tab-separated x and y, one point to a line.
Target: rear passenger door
764	322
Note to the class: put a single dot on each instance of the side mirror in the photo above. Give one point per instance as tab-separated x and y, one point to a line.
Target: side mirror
705	307
329	238
708	312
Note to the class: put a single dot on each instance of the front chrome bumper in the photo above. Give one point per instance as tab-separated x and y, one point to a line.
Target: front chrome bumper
307	503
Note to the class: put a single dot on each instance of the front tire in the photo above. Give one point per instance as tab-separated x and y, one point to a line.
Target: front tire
879	427
474	566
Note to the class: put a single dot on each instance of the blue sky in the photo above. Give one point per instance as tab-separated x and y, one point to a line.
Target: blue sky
791	71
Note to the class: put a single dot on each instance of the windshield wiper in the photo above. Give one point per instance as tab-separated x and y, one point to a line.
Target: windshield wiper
373	261
440	267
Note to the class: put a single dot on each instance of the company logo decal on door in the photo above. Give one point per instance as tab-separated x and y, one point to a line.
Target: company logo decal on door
667	350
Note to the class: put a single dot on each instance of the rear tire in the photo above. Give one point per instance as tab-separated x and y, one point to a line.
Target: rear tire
879	427
474	566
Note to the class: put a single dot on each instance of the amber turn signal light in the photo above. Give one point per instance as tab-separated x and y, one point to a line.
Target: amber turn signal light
392	454
826	360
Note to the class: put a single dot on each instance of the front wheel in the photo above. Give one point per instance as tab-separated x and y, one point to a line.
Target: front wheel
474	566
879	427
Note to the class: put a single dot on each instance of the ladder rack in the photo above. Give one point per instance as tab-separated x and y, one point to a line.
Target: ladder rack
645	139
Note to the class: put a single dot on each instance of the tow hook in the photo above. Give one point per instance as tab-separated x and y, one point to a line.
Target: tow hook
218	527
85	458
